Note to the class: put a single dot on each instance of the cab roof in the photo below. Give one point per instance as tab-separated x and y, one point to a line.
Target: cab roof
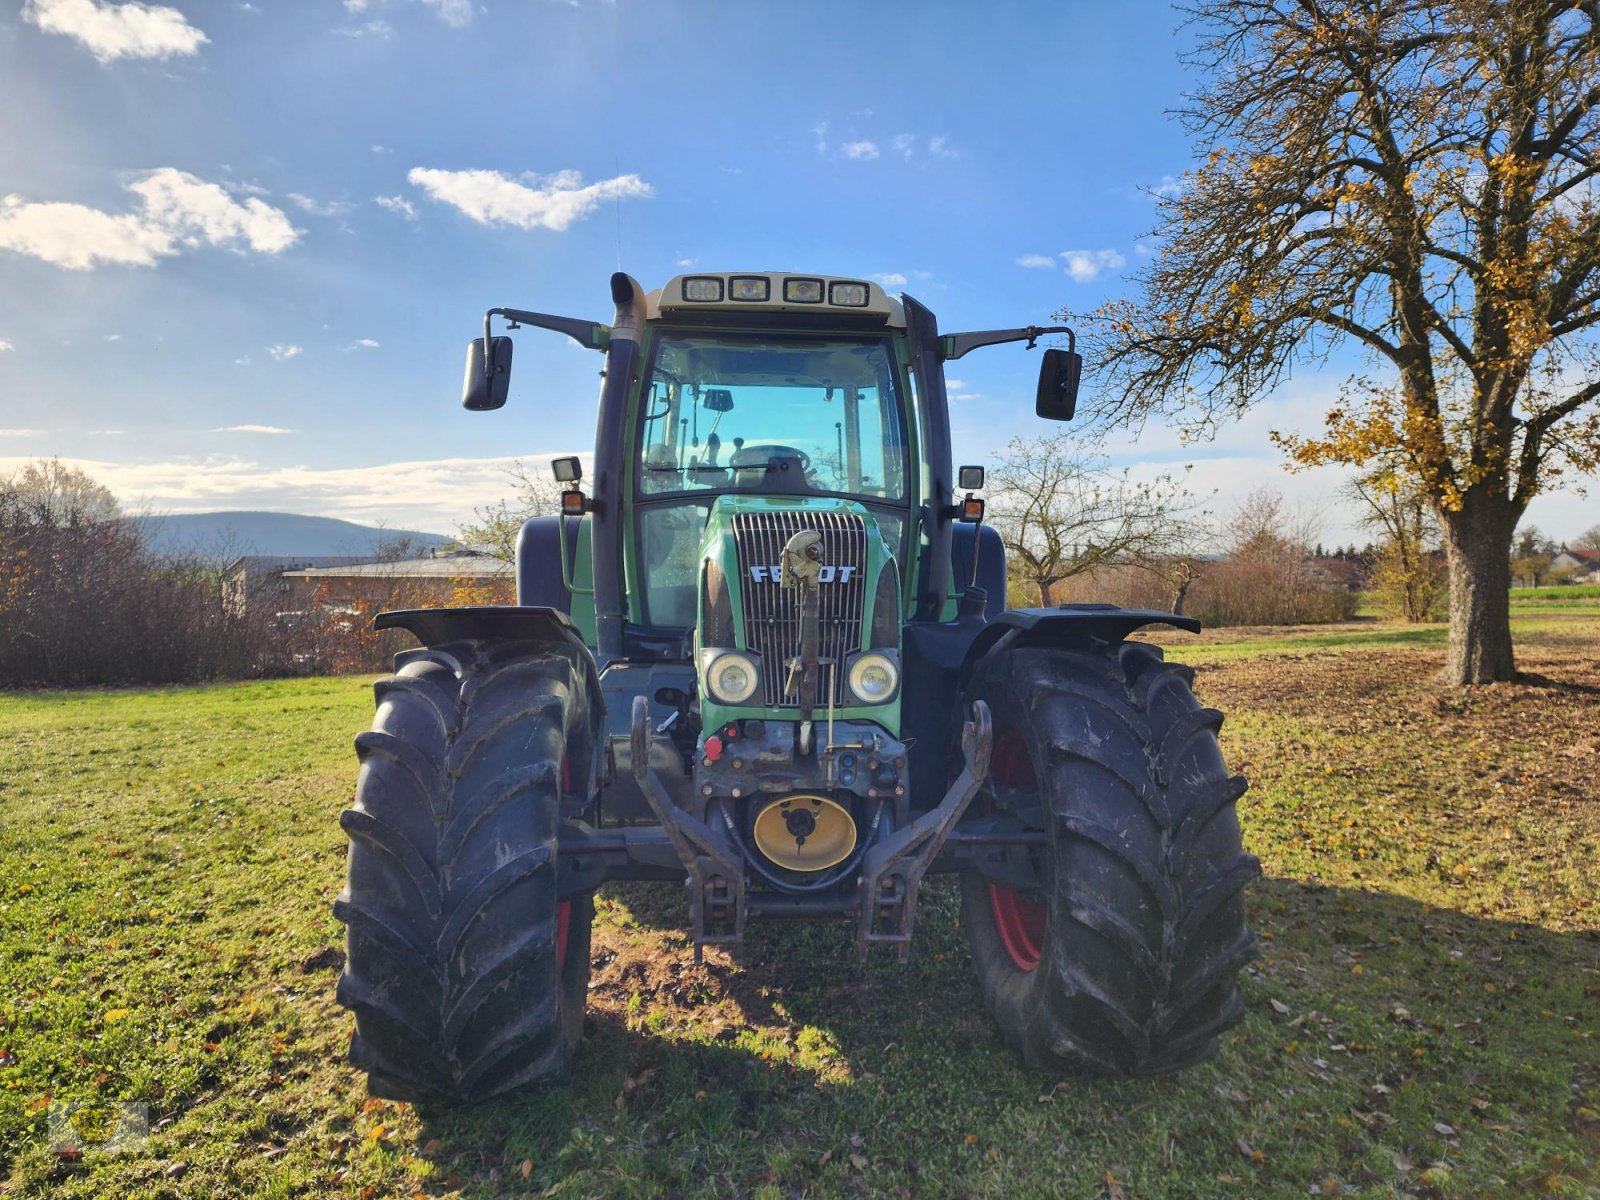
705	293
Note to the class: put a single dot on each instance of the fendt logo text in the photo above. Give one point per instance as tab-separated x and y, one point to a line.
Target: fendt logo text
774	574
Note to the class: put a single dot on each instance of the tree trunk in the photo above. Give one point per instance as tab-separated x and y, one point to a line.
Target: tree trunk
1046	599
1477	542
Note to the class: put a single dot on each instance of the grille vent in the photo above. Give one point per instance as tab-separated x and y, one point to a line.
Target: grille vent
771	615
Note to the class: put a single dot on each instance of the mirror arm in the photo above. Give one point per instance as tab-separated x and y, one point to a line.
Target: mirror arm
587	334
954	345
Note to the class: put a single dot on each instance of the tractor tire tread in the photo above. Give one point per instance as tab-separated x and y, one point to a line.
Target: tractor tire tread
1146	930
450	907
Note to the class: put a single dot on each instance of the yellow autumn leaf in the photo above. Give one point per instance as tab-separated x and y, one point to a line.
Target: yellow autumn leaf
113	1015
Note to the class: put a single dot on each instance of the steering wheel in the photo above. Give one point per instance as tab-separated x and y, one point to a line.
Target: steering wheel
747	457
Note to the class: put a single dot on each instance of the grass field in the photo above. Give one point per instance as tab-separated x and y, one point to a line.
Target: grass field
1424	1020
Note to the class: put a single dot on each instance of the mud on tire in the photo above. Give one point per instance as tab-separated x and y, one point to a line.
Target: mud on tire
466	976
1125	959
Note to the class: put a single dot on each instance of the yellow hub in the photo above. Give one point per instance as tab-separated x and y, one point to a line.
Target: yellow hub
805	833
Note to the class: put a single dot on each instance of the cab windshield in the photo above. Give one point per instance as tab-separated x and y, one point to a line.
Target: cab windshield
757	414
772	415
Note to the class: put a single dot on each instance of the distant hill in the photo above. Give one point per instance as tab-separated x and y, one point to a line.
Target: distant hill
229	534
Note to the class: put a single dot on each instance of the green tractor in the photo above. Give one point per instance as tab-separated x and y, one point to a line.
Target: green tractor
768	654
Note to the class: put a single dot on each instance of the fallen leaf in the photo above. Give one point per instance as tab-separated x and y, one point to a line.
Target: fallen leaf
431	1146
1114	1189
527	1167
971	1139
377	1133
858	1161
1279	1007
113	1015
1444	1130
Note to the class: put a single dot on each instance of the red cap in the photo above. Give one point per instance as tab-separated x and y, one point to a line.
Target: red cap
713	748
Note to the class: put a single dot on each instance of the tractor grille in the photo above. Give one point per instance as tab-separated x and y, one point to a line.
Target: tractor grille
771	612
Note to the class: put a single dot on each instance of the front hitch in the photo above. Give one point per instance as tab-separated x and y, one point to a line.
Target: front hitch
892	871
714	869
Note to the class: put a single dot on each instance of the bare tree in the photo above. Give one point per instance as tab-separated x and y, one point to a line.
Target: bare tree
1416	177
1534	554
1268	574
1062	511
1589	539
1406	575
495	529
46	493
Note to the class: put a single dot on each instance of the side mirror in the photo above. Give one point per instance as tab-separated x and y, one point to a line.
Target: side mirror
718	400
1058	385
484	389
567	470
969	479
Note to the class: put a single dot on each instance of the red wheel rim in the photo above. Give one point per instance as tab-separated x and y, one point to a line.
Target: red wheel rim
563	924
1020	923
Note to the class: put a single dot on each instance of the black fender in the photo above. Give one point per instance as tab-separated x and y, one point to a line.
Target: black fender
1071	624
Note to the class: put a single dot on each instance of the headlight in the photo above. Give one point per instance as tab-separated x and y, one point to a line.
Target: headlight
873	678
732	678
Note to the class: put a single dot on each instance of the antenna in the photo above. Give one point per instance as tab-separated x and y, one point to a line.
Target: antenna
617	201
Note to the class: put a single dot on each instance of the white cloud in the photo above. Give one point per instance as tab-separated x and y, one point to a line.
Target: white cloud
954	384
1037	262
892	279
113	337
820	133
284	352
22	433
178	211
904	144
6	347
687	262
1169	188
452	12
398	204
940	147
377	29
548	202
862	150
377	149
331	208
1144	249
362	344
112	31
1085	265
355	6
252	429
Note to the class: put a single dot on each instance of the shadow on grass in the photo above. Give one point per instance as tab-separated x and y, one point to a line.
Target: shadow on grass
1385	1040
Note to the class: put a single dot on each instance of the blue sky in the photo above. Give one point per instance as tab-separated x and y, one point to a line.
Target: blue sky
243	245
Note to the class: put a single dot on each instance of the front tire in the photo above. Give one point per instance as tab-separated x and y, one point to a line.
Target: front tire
1124	959
466	975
